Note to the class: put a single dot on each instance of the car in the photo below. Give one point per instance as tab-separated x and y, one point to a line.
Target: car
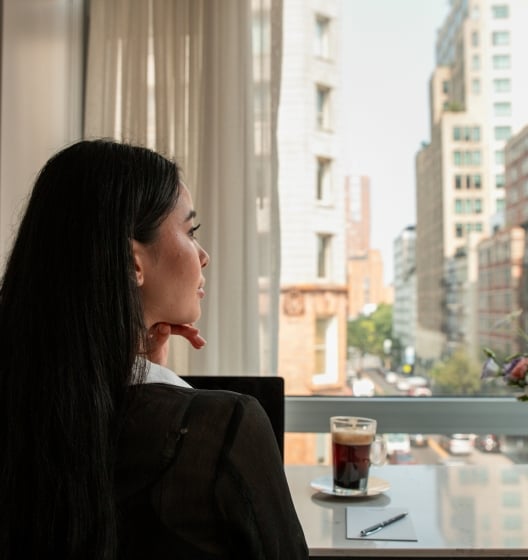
457	444
402	458
363	387
397	443
489	443
418	440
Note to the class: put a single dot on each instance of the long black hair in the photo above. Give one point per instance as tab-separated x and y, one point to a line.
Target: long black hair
71	328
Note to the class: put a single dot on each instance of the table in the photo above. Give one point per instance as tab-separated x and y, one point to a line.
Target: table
456	510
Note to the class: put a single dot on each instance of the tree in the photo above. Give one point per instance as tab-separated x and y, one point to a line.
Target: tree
367	333
458	375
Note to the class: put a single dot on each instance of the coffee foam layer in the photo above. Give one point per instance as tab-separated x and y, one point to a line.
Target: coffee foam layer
352	438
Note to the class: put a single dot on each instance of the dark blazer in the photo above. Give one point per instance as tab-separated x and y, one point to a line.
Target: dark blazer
199	477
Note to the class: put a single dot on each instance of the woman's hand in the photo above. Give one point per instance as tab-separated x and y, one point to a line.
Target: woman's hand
159	335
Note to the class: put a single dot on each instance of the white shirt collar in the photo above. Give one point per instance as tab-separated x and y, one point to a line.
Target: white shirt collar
160	374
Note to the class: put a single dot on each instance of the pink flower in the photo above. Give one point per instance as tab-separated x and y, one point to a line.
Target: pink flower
515	370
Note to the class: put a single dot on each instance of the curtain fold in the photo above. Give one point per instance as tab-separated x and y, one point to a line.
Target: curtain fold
198	80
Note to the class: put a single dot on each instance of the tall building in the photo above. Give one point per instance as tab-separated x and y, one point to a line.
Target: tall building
404	310
357	201
478	94
366	287
312	322
503	262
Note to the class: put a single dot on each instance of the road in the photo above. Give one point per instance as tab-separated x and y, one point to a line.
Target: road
433	453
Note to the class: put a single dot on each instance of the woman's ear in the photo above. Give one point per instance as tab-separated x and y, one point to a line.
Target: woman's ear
138	255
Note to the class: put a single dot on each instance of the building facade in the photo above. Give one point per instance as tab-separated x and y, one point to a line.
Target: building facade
477	96
313	300
404	309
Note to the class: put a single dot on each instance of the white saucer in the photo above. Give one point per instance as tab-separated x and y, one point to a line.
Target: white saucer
325	484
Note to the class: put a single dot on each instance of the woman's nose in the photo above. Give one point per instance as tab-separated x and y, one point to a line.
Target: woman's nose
204	257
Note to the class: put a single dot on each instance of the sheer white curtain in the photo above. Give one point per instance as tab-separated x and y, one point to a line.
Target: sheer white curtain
198	80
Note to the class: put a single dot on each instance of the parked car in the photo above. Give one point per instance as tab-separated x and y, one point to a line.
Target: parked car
489	443
418	440
397	443
402	458
457	444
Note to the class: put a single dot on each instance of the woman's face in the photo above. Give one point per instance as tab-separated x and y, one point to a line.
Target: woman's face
169	270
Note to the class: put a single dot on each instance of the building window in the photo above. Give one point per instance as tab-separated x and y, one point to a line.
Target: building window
499	157
475	62
500	204
500	11
458	182
502	109
475	38
323	179
457	157
499	38
477	206
323	255
322	37
323	107
499	181
445	86
478	226
475	86
459	206
325	351
502	85
502	132
457	133
459	230
477	181
501	61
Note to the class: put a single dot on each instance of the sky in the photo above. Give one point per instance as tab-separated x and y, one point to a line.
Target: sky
388	57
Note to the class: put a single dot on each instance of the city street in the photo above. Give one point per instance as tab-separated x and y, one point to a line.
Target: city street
432	453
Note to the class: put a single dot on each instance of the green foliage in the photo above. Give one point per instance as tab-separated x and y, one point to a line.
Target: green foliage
458	375
367	333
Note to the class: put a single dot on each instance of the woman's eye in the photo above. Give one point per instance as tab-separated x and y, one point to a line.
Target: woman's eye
193	230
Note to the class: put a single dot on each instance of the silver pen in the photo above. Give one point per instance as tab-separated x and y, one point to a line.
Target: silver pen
379	526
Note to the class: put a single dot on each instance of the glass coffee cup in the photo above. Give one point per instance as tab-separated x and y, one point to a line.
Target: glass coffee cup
355	447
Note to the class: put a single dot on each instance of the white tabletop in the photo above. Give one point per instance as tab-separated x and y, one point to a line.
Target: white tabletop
456	511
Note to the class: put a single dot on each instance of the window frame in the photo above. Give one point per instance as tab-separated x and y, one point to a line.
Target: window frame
427	415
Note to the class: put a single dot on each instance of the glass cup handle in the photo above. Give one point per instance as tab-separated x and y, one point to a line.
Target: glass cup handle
378	451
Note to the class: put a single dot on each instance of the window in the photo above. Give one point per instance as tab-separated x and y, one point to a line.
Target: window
475	86
459	206
458	182
499	181
323	255
323	179
500	204
323	107
459	230
477	181
474	38
475	62
502	132
457	133
457	157
445	86
325	351
502	85
501	61
502	109
499	157
322	36
499	38
500	11
477	205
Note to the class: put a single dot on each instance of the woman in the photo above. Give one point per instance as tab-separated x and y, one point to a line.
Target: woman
106	455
